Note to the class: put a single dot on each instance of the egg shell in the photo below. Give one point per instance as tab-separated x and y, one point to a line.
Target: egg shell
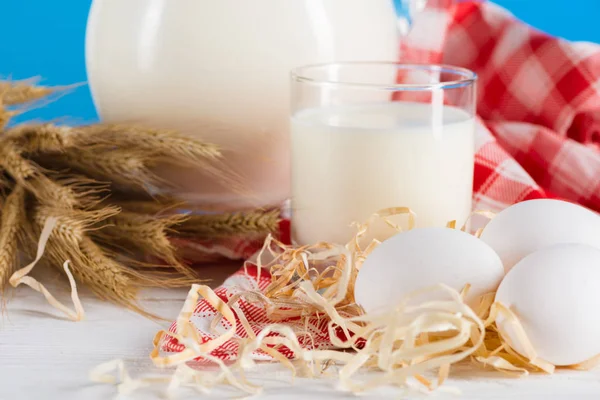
425	257
531	225
555	293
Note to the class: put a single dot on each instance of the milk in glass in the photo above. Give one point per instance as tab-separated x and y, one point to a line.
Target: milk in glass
351	161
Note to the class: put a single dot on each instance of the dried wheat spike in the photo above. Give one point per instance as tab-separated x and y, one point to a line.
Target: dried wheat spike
103	271
51	193
72	225
89	265
159	147
13	218
164	142
46	138
123	166
20	92
146	233
5	116
67	192
91	268
257	221
12	161
106	277
115	282
139	278
150	207
4	185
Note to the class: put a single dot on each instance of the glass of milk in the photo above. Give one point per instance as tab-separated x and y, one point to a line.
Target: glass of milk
371	135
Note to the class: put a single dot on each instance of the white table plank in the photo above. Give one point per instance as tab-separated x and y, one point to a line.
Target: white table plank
43	356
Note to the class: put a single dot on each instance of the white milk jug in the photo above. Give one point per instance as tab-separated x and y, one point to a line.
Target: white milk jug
219	70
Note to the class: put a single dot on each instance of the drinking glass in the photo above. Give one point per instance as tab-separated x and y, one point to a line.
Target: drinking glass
366	136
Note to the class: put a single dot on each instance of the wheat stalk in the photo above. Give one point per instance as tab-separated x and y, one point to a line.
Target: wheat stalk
166	147
252	222
167	143
13	216
69	241
47	191
72	225
12	161
46	138
20	92
258	221
121	155
155	207
137	278
103	272
5	116
51	193
93	265
69	192
124	166
146	233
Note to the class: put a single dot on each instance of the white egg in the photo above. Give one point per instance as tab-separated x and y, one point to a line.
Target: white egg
555	293
425	257
531	225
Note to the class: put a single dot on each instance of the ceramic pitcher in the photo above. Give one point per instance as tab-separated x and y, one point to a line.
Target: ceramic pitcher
219	70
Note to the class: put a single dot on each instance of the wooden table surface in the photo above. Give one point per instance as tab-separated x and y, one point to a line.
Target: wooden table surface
44	356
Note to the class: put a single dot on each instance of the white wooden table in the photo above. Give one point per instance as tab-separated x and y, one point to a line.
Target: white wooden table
44	356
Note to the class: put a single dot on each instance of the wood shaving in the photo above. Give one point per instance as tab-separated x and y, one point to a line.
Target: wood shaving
22	277
531	357
125	384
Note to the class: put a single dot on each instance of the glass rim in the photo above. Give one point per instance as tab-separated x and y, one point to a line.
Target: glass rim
468	77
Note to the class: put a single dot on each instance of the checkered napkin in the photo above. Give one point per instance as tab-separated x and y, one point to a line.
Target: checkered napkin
538	136
248	279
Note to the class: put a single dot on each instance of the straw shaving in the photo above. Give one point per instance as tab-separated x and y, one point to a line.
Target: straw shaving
21	277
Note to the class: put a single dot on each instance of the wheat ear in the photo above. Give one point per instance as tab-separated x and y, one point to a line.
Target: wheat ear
94	265
146	233
12	161
69	241
20	92
157	207
123	166
213	225
5	116
168	147
68	191
13	218
167	143
46	138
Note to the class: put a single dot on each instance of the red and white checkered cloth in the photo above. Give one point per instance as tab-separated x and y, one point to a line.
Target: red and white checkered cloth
539	136
247	279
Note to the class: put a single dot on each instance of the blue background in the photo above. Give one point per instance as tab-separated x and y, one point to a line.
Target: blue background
45	38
